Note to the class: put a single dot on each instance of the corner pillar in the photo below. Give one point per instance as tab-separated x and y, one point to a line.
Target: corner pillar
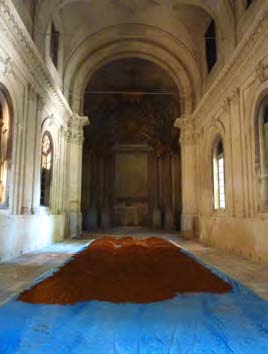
75	138
188	142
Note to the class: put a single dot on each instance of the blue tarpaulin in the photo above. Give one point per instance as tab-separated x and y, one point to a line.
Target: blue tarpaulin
235	322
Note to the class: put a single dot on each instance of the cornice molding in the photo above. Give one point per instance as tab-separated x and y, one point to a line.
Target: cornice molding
227	79
26	49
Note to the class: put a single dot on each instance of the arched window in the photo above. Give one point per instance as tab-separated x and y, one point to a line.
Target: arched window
218	175
211	45
4	148
262	153
46	168
54	45
247	3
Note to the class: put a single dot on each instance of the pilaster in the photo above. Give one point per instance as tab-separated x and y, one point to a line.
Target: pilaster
188	142
75	138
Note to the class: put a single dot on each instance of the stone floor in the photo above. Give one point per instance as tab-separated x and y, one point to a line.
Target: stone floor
19	273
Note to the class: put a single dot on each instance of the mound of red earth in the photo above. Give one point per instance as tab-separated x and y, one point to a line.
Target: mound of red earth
125	270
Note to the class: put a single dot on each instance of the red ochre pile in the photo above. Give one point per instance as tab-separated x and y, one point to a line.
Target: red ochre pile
125	270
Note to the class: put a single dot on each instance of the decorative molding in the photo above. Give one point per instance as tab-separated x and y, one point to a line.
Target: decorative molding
216	122
242	59
6	66
262	72
31	93
41	104
235	95
75	133
52	120
188	132
226	106
29	54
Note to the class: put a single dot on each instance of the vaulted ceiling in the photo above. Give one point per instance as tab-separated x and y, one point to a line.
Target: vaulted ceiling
169	33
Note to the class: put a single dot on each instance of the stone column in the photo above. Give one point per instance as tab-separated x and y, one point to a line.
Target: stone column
156	212
167	188
37	157
189	175
74	176
92	215
107	185
236	156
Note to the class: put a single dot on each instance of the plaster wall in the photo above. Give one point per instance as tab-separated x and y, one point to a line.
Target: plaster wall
20	234
243	236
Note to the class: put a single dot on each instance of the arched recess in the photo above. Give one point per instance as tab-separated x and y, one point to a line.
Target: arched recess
6	133
131	157
103	48
261	150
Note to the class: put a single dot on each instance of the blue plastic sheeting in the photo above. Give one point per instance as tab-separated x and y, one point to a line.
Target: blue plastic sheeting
236	322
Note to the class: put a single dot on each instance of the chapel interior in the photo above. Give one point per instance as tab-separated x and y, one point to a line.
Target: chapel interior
154	115
131	116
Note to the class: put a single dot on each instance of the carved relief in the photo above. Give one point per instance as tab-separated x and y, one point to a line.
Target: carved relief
6	66
262	72
188	131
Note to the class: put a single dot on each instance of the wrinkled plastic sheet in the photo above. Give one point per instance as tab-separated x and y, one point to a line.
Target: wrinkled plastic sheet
235	322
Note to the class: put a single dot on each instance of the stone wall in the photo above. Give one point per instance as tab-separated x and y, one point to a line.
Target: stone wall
229	109
36	107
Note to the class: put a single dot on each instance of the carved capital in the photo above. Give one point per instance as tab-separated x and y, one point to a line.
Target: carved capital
75	137
234	98
80	120
74	134
262	72
188	133
6	66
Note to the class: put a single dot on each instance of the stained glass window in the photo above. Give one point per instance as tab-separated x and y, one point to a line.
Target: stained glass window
46	169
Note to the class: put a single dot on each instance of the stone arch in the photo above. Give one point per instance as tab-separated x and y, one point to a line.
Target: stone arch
185	73
222	13
216	130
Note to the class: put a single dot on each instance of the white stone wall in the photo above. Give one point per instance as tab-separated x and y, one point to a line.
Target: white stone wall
229	109
227	100
37	106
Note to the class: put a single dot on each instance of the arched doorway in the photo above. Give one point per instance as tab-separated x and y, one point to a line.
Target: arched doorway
131	155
